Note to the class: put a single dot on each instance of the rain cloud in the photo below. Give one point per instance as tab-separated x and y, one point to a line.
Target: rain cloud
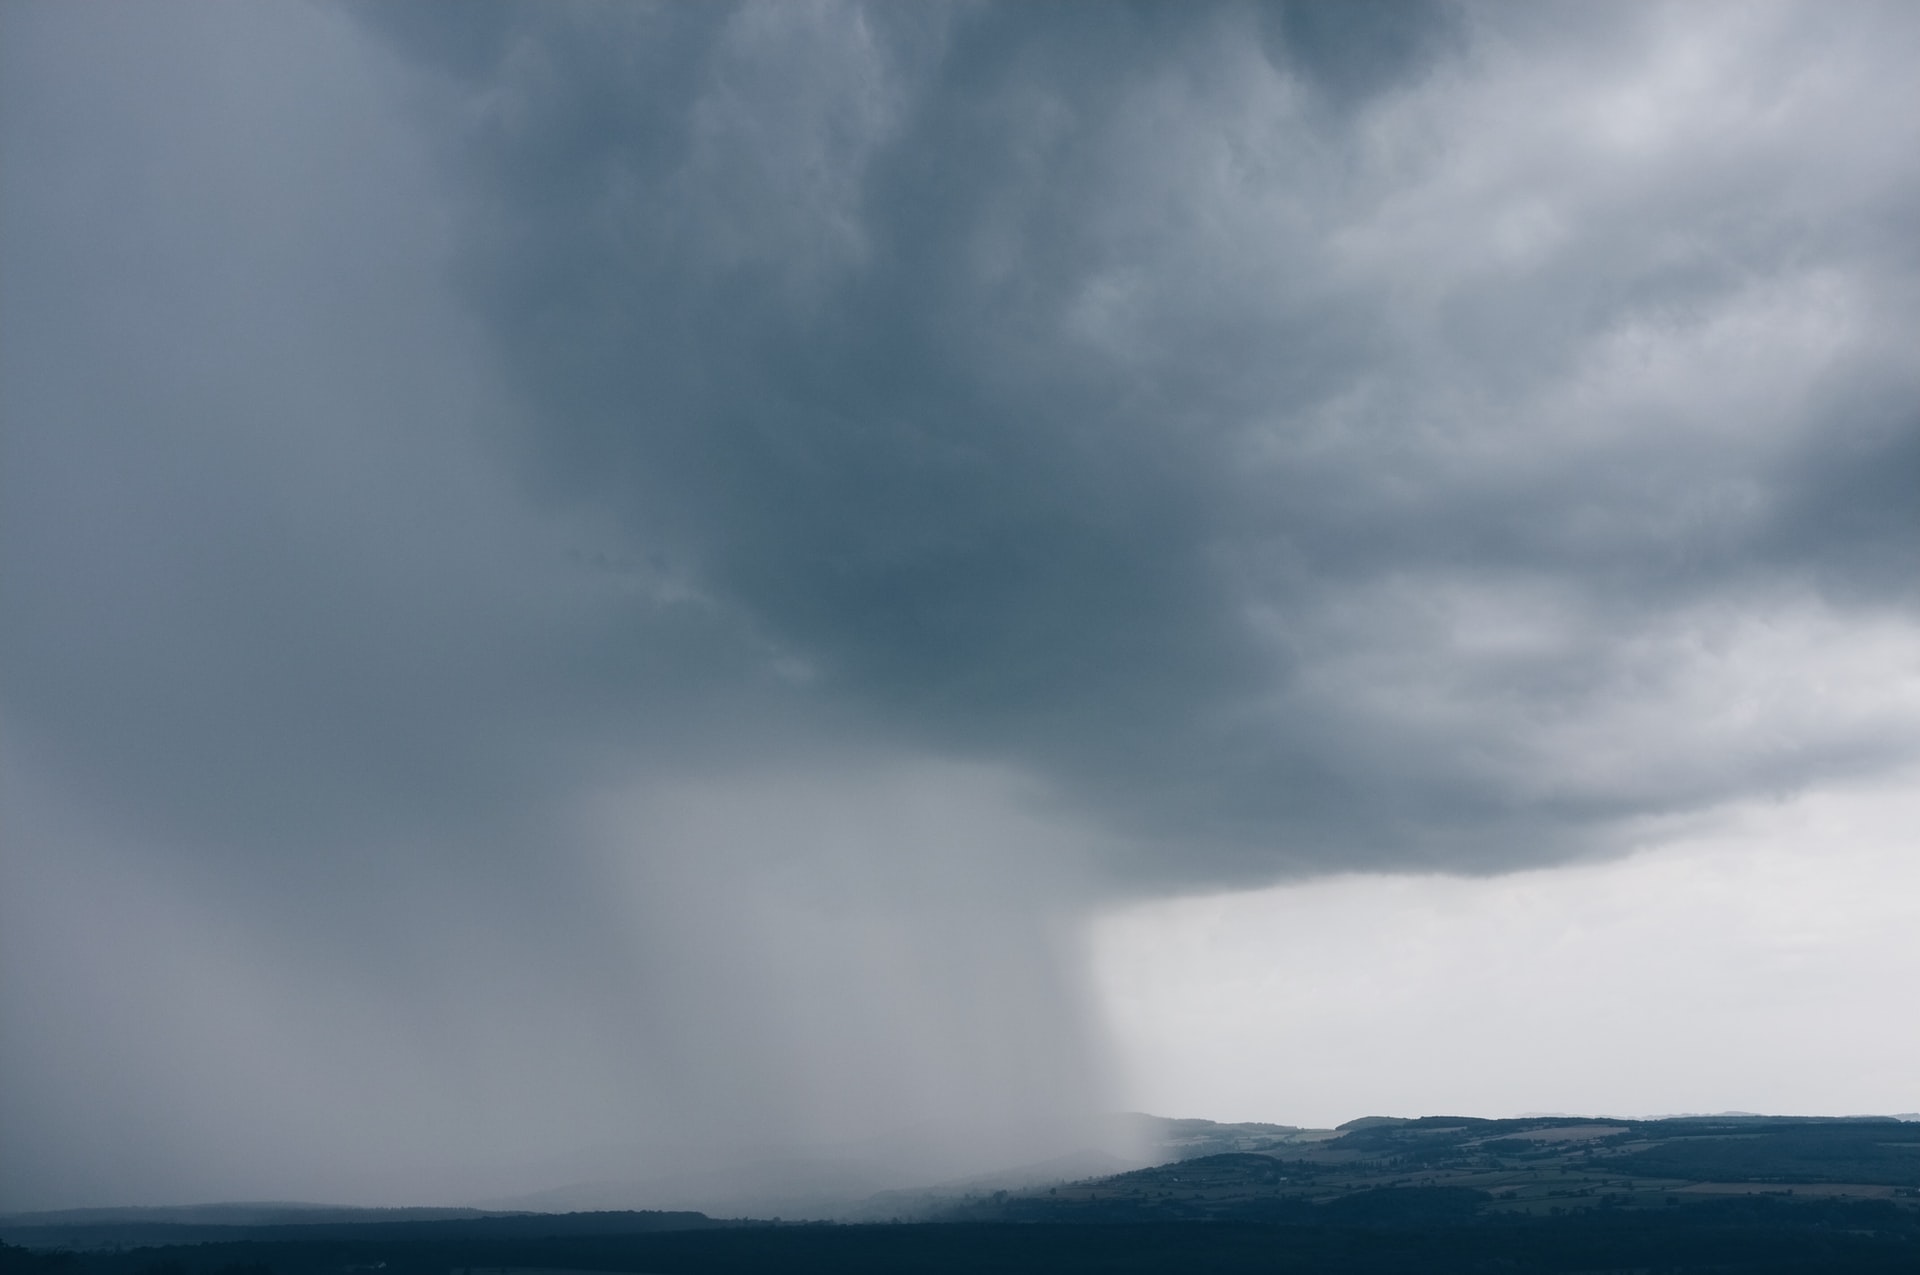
612	573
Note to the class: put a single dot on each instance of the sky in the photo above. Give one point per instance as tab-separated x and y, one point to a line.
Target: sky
587	589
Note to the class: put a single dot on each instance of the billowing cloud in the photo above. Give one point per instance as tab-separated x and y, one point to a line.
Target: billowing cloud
1311	436
710	534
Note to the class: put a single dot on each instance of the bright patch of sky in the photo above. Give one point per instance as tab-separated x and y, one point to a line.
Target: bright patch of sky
1763	960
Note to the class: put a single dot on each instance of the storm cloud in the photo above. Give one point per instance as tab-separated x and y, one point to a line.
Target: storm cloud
1310	436
634	569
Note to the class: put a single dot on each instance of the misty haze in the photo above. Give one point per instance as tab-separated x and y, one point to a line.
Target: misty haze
1300	616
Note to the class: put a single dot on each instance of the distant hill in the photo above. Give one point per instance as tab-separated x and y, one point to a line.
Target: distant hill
1177	1168
1167	1139
1521	1167
1731	1193
95	1230
254	1213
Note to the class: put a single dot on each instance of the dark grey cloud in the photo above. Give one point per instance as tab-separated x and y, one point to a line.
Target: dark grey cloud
1048	380
1351	52
710	533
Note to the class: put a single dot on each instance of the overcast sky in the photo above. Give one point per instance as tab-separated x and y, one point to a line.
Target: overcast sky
586	580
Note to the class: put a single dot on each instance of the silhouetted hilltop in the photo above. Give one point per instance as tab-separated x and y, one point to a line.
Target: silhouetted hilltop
249	1213
1543	1166
88	1229
1731	1193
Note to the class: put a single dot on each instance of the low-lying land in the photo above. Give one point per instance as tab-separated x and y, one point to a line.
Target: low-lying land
1723	1194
